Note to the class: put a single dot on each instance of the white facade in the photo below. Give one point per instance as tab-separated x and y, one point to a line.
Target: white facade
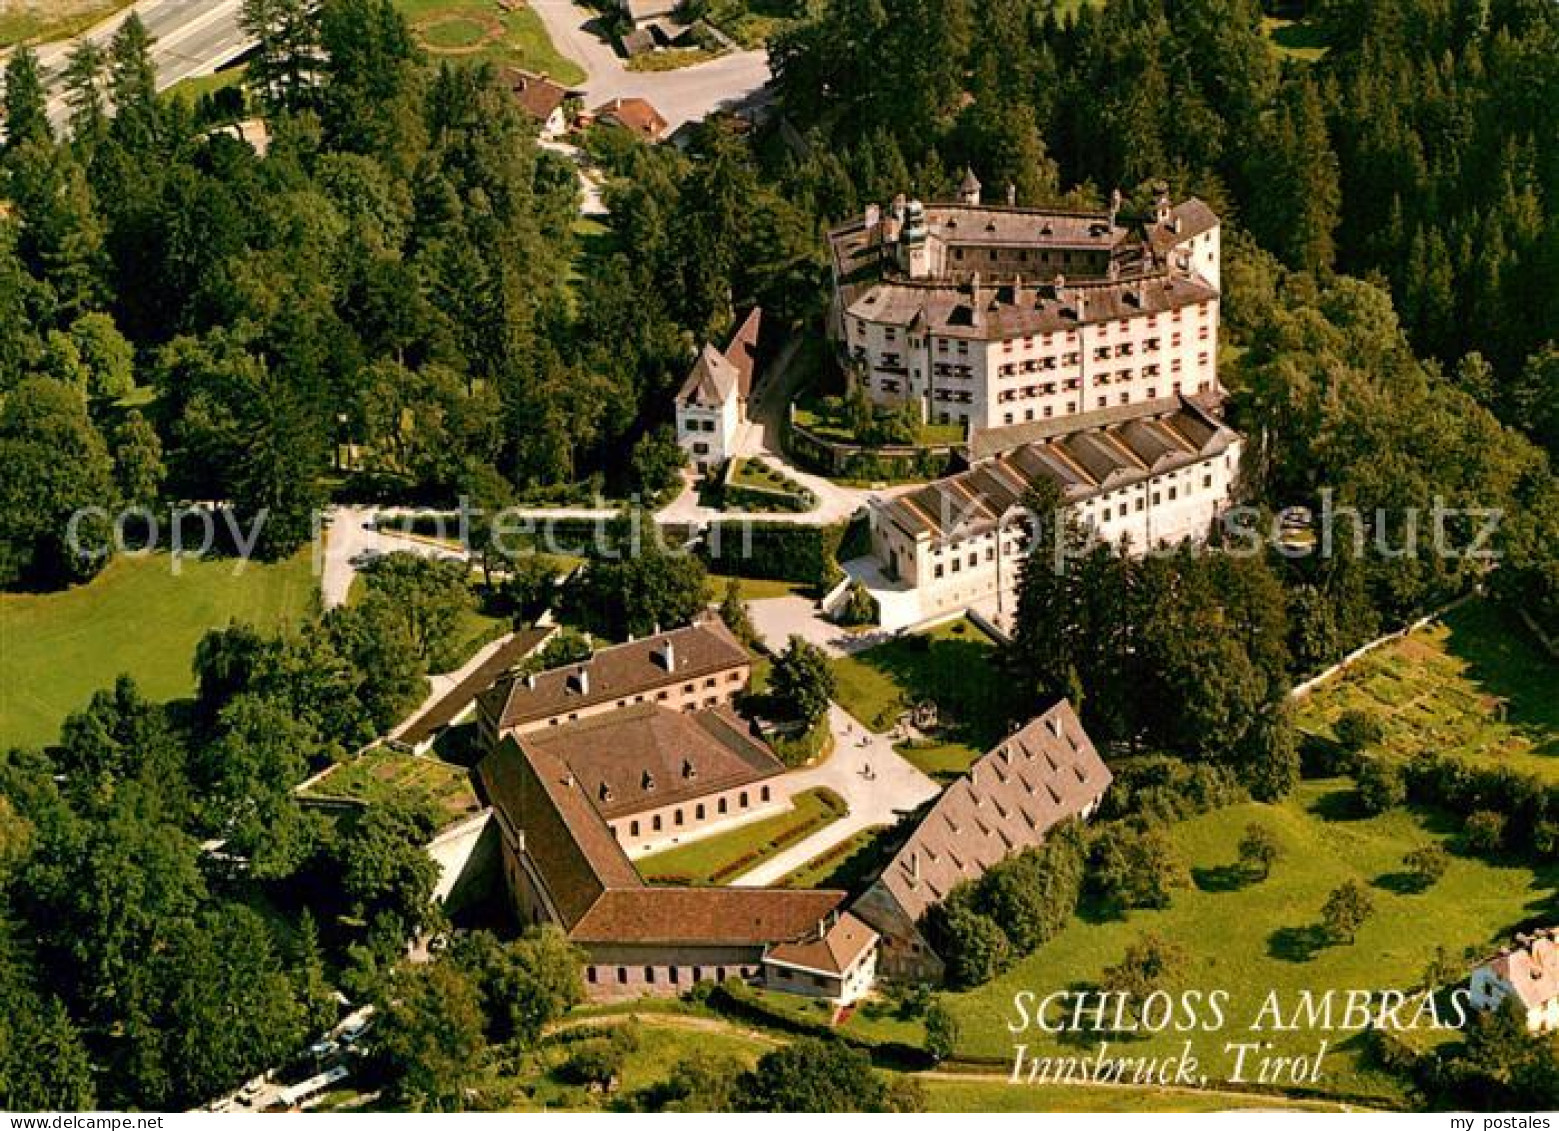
1488	991
840	989
989	383
708	432
981	567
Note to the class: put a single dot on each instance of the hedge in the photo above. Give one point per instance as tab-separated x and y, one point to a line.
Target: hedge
775	551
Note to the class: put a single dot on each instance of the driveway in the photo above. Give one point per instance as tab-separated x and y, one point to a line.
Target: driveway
352	541
878	785
683	95
777	619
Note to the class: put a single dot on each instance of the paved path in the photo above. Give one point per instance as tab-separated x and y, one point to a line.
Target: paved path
894	788
352	542
683	95
777	619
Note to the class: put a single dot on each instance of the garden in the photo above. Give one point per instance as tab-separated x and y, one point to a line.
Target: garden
381	776
723	857
1473	685
508	34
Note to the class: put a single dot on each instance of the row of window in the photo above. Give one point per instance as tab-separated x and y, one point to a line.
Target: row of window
595	974
700	812
662	696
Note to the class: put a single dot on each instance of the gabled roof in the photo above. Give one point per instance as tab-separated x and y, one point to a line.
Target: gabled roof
1085	454
712	381
622	671
635	114
539	95
742	350
832	949
1009	800
598	894
648	756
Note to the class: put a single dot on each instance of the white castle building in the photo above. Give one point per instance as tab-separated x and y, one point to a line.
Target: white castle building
1078	347
993	316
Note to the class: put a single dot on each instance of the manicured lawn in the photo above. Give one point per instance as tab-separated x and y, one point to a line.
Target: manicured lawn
381	776
951	665
753	485
723	857
191	89
671	59
943	761
1296	38
758	588
1475	686
827	420
49	20
136	617
476	31
847	865
1252	937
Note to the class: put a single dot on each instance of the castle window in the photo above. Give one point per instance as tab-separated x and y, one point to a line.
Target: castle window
763	794
721	807
698	812
677	817
622	975
649	975
742	799
590	974
633	828
655	822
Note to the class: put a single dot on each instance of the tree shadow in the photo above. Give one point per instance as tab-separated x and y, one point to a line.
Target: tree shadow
1403	883
1223	877
1339	805
1298	944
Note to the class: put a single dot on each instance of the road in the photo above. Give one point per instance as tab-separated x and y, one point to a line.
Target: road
190	38
681	96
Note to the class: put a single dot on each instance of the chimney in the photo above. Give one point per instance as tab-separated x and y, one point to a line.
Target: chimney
569	780
1055	725
1080	302
873	216
1115	206
666	655
1161	203
530	681
914	866
582	680
976	306
1012	195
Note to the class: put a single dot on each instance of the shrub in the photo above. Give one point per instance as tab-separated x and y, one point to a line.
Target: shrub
1485	831
1382	785
1357	730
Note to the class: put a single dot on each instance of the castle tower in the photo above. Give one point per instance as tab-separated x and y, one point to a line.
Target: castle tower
969	191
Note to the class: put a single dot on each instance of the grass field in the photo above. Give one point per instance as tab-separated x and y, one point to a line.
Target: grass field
1252	937
381	776
478	31
43	21
1474	685
191	89
951	666
847	865
1294	38
757	588
723	857
138	617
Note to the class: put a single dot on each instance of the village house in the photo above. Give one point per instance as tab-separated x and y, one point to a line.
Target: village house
1041	775
1527	972
988	316
837	962
636	115
699	667
541	98
711	406
1153	473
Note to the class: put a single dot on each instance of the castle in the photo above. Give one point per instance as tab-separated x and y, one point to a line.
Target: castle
1075	347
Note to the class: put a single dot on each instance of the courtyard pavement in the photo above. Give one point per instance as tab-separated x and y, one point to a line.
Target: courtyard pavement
878	785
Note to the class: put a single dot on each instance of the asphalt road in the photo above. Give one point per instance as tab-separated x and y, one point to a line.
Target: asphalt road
681	96
190	38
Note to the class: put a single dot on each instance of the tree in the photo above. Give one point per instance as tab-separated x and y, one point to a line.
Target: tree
859	607
138	468
428	1037
84	71
1346	910
525	985
647	589
1139	867
429	596
1382	784
1427	864
1358	730
733	613
802	682
26	111
942	1031
812	1075
275	482
657	461
974	946
1150	965
532	585
387	878
54	470
702	1081
1484	830
1259	850
132	83
286	63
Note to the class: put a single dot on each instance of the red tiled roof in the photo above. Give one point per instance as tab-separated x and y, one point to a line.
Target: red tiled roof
705	915
830	951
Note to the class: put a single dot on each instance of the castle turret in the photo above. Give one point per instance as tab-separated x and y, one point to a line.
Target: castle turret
969	191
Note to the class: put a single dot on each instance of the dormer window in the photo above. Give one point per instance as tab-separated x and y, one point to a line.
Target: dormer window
605	792
647	783
689	771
